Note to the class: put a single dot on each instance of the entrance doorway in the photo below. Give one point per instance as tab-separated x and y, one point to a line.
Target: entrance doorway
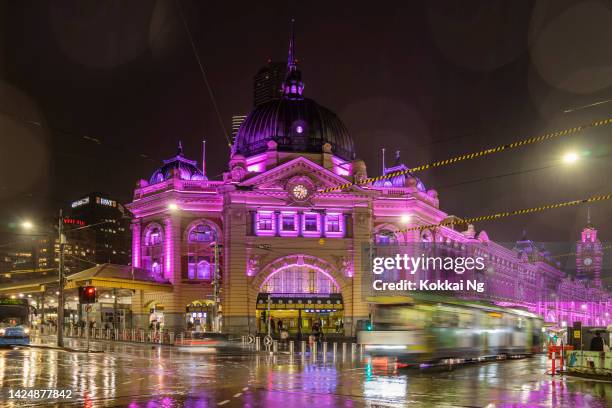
198	316
156	317
300	296
298	314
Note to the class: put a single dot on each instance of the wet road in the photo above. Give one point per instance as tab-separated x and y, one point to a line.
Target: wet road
152	376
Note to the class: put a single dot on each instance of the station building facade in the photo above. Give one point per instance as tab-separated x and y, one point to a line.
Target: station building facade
271	235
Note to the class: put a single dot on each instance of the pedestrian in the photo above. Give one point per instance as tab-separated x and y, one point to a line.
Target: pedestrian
279	325
316	332
272	326
597	343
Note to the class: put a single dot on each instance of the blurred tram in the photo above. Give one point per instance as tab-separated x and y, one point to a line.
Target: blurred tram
436	328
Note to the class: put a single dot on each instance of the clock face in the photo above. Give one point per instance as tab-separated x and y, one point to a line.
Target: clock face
299	192
588	261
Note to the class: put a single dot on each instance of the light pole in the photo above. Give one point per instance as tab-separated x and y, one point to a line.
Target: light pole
60	296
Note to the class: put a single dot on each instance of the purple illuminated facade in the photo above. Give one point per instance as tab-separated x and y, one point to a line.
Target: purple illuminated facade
276	233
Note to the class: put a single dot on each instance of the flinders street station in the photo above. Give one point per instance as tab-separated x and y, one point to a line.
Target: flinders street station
267	241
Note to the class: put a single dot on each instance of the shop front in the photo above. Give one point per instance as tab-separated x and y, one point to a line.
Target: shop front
299	313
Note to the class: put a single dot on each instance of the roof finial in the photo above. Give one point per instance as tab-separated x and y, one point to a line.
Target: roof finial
180	148
291	65
383	161
397	157
293	87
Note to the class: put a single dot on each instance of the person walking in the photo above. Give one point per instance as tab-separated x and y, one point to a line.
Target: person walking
272	327
597	343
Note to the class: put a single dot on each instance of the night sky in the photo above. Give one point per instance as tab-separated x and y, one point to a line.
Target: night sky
95	93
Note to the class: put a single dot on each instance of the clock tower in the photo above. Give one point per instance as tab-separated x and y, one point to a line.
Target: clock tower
589	256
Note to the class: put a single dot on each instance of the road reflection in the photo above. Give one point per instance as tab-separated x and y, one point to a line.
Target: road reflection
144	376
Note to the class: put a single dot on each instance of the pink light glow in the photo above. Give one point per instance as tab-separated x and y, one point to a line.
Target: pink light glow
289	233
316	233
334	234
261	216
299	265
169	272
341	168
136	245
256	164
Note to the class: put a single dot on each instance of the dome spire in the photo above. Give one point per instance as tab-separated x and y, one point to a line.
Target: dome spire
291	64
293	87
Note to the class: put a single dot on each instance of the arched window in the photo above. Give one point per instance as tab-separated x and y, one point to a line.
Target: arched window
203	270
299	279
153	236
199	267
201	233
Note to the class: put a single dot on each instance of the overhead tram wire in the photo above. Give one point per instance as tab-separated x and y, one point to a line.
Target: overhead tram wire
474	155
204	76
89	139
514	173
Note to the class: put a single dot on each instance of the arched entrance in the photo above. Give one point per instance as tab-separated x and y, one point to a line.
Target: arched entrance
302	294
156	314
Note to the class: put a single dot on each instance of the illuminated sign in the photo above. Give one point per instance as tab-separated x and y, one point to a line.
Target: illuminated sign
106	201
80	202
74	221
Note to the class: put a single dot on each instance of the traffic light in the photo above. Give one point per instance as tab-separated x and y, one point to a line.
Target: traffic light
87	294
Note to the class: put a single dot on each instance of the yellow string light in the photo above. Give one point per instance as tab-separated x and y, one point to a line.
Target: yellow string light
470	156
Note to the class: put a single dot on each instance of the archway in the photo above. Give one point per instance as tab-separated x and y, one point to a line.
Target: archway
302	293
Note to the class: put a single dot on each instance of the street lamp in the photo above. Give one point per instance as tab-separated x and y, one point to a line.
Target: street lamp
570	158
172	207
405	218
27	225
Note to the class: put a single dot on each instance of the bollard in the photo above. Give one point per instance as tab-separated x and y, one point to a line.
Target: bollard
361	347
291	347
171	337
243	339
554	357
313	350
116	334
275	346
133	334
561	362
324	348
343	349
303	347
257	343
353	350
334	349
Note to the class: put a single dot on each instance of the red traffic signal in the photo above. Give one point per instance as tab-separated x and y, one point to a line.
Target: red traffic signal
87	294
